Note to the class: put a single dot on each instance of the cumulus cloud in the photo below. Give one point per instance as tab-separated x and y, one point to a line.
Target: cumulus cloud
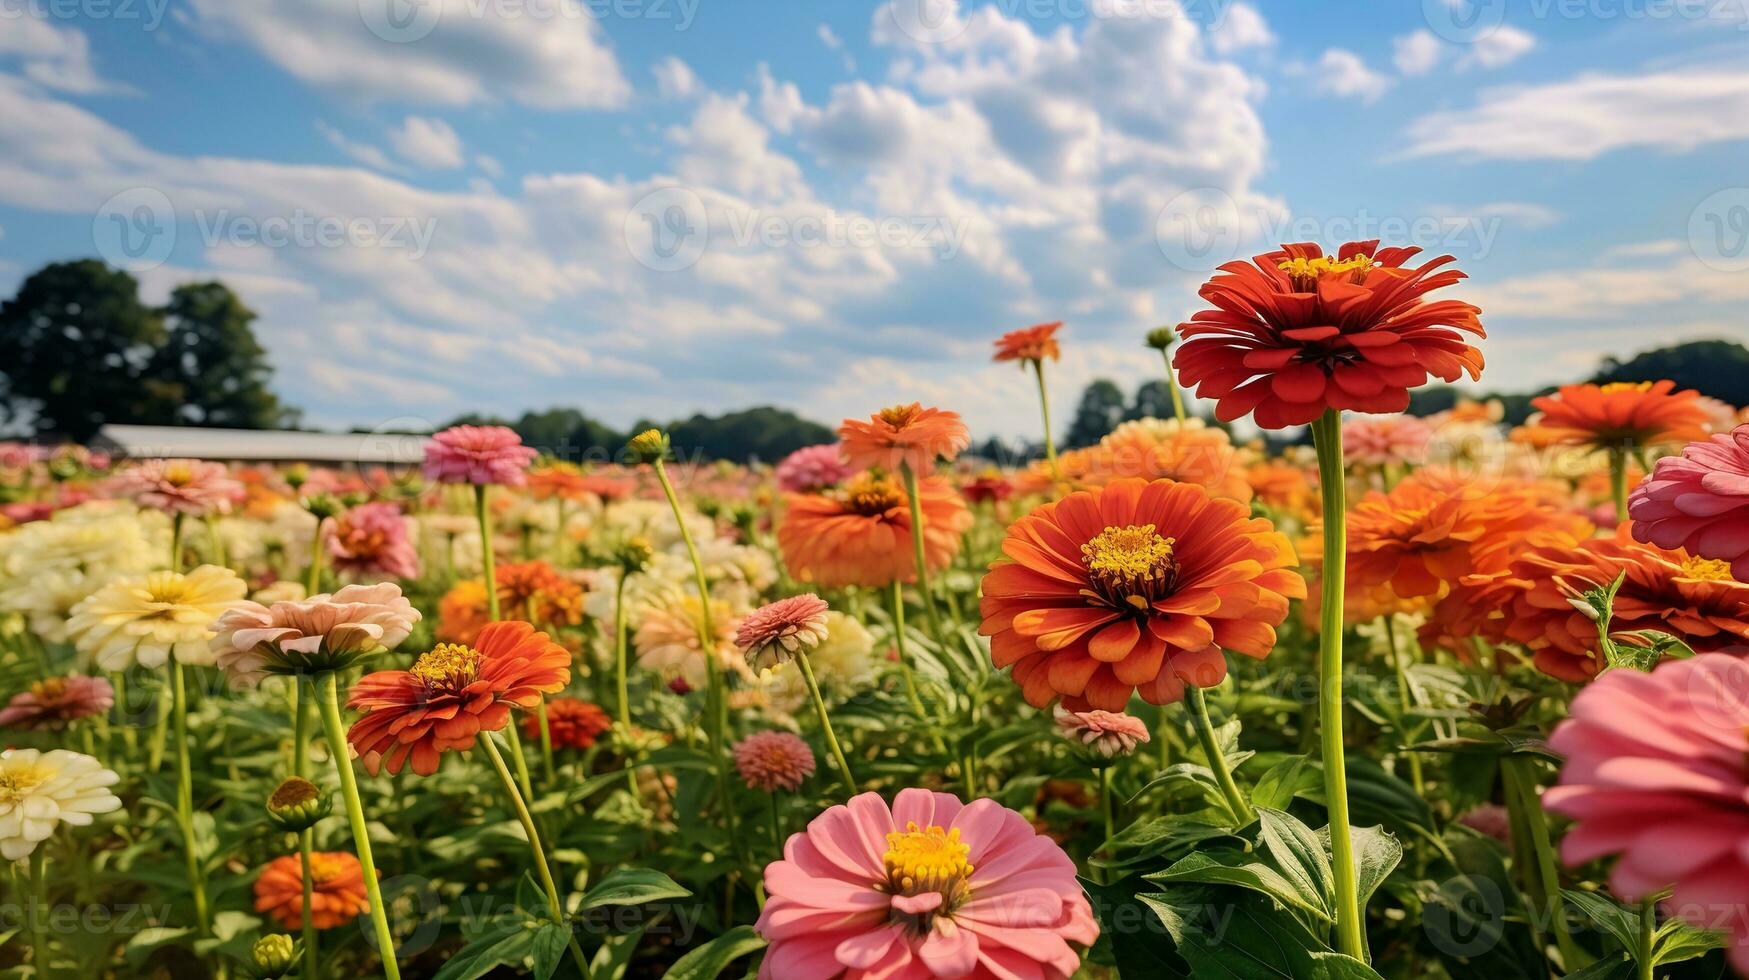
1499	47
1417	53
428	142
674	78
53	57
1344	73
1241	27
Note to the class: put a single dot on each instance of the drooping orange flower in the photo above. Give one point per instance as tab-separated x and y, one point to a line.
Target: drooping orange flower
452	694
337	894
1151	449
860	534
1035	343
1295	332
1693	599
1134	587
1622	415
904	434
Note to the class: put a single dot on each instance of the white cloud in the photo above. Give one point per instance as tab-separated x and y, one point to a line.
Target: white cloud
457	52
674	78
1674	110
428	142
1605	292
1239	28
53	57
489	165
364	153
1501	46
1343	73
1417	53
834	43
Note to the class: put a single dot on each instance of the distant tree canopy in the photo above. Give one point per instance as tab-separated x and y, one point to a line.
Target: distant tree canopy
762	433
1718	368
78	349
1102	407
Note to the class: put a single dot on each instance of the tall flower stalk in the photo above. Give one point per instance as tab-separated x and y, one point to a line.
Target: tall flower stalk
1030	347
1198	706
555	906
327	693
921	557
785	631
1162	339
185	795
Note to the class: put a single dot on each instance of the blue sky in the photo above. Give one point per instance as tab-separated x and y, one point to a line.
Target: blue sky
646	208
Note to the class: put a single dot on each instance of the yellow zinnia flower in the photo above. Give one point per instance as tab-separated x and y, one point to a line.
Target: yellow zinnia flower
145	618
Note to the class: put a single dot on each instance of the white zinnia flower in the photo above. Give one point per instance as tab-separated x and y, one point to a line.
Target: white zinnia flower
40	791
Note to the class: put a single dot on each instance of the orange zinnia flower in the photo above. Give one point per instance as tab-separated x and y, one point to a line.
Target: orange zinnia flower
462	612
531	588
1151	449
1416	539
1295	332
337	893
1035	343
559	479
860	534
904	434
452	694
1136	587
1287	489
1693	599
1616	416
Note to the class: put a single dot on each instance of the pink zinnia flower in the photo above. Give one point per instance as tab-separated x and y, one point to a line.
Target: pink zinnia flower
774	633
770	761
1381	439
323	632
812	468
1657	772
478	454
1105	733
1699	501
372	539
178	486
57	701
928	888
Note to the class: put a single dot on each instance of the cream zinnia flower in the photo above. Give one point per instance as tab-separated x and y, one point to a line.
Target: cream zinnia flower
667	636
145	618
40	791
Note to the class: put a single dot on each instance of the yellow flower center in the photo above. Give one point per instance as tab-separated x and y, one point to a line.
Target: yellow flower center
178	474
899	416
1305	272
1133	564
1707	569
448	664
19	779
1617	386
53	687
869	494
928	859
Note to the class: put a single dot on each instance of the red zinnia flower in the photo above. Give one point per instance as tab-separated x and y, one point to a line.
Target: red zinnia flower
1134	587
1616	416
1034	343
571	723
1295	332
452	694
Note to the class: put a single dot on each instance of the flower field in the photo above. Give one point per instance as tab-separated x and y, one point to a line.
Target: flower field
1313	688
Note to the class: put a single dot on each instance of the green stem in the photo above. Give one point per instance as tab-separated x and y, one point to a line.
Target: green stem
920	556
313	578
1172	386
1618	482
826	725
1520	782
554	905
1405	703
1044	405
1107	805
1327	437
327	693
1648	934
39	908
306	837
619	651
904	656
521	762
176	542
546	740
1198	706
185	796
487	559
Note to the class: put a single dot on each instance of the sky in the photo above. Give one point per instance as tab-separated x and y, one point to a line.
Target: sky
649	208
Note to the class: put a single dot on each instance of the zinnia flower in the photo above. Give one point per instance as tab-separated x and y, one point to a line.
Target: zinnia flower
776	632
813	468
56	702
559	479
903	435
39	791
337	894
860	534
1699	501
989	486
1035	343
770	761
178	486
1295	332
571	723
1191	451
1382	440
667	635
1694	599
1616	416
536	590
143	619
452	694
1107	734
372	540
462	612
1657	774
323	632
1135	587
928	888
478	454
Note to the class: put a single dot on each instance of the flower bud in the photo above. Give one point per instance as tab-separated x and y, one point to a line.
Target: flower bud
297	805
649	446
1161	338
296	475
322	505
274	955
634	555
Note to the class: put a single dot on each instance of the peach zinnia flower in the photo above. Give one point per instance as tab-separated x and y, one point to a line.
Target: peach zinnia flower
1657	774
1694	599
860	534
770	761
571	723
1615	416
1381	440
1107	734
777	632
929	888
56	702
1295	332
178	486
1699	501
903	435
323	632
452	694
1035	343
1191	451
1137	587
337	894
371	540
478	454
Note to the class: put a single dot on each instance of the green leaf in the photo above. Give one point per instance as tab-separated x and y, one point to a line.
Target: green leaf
550	941
1677	940
1619	921
1299	855
142	943
1240	871
1222	932
705	962
1132	932
1277	788
1619	966
1376	854
506	943
633	886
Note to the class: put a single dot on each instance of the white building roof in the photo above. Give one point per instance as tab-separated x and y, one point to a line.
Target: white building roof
359	449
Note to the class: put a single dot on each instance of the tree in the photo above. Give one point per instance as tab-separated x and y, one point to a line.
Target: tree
1102	408
1718	368
1153	400
760	433
211	358
76	344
